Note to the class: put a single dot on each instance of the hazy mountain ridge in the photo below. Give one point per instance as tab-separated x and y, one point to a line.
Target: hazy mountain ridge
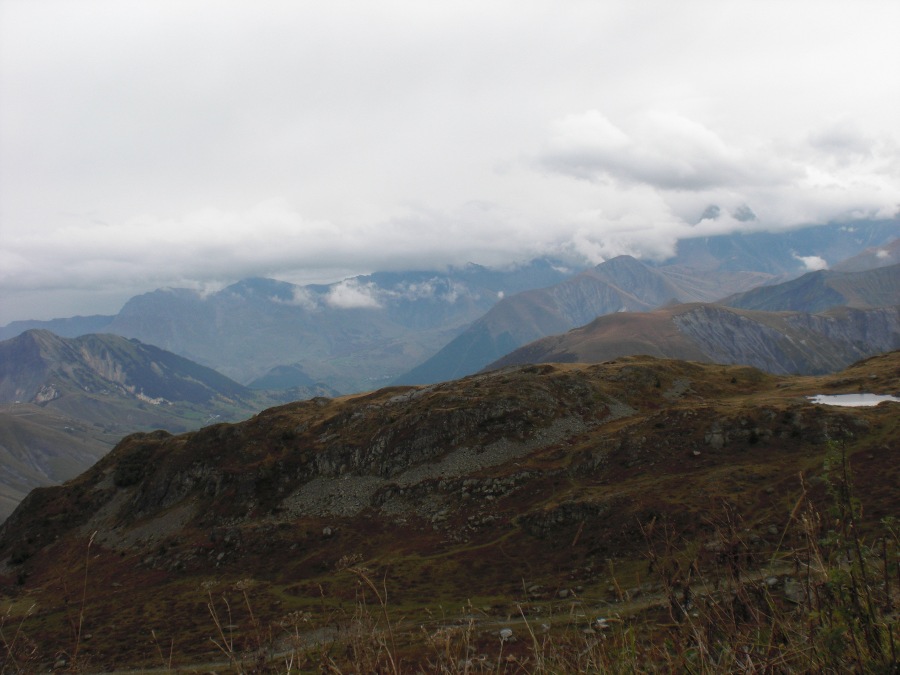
612	288
364	331
824	289
623	284
351	334
69	327
525	480
780	254
873	257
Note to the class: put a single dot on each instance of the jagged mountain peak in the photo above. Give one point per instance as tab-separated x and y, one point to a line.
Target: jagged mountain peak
38	337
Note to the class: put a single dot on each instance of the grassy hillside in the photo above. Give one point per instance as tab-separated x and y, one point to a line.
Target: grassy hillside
704	512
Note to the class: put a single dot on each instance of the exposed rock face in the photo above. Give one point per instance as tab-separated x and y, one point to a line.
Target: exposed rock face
868	332
777	342
792	343
99	363
69	400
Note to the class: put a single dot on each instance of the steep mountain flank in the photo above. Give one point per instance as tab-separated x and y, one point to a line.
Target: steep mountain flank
777	342
527	493
99	363
876	256
822	290
792	342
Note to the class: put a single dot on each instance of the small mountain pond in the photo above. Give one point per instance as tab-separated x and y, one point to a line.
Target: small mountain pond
852	400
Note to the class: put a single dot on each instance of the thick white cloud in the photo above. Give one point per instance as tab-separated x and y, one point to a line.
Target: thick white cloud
350	294
812	263
160	143
665	150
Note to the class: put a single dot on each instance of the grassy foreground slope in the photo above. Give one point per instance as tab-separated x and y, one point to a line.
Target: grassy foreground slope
704	512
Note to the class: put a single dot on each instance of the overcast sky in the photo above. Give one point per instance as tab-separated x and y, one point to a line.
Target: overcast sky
152	143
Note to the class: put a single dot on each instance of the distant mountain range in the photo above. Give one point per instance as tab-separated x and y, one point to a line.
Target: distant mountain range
625	284
622	284
65	402
351	335
410	327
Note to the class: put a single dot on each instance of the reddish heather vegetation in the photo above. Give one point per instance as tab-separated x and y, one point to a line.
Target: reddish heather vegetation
635	515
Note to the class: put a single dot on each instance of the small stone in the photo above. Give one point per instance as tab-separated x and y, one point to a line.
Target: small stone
793	591
564	593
